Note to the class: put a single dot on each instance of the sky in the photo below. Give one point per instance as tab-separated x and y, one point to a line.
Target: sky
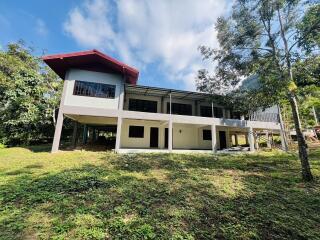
158	37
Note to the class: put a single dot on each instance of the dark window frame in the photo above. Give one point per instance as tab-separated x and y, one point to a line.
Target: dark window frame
142	105
205	111
206	135
93	89
136	131
218	112
180	108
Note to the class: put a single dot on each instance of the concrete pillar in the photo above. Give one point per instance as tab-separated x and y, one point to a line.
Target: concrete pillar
268	140
75	134
118	136
256	138
170	136
57	132
213	138
251	139
59	124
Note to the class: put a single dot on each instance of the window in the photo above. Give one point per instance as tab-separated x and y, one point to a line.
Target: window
142	105
206	134
90	89
136	131
205	111
235	115
180	108
218	112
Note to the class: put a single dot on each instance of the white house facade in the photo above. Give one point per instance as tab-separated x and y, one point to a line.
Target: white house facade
100	91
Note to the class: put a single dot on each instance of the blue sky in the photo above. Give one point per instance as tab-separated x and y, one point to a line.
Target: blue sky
158	37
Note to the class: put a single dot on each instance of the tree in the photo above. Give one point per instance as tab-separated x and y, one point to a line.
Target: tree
29	94
262	38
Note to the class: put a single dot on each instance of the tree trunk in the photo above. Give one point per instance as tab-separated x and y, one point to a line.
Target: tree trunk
303	154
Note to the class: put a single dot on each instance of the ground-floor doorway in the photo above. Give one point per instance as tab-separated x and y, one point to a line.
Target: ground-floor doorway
222	140
154	137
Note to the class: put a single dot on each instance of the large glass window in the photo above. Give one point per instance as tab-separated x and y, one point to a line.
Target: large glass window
90	89
218	113
206	134
205	111
180	108
142	105
136	131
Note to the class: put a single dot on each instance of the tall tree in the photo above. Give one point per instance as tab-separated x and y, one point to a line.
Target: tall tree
263	38
28	96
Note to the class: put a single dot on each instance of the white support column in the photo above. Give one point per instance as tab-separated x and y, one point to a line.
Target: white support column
268	140
118	136
57	132
251	139
59	123
170	135
213	138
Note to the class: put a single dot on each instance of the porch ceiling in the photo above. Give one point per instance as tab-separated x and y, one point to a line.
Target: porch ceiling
93	120
164	92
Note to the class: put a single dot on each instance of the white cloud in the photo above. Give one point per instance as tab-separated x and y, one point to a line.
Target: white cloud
149	31
41	27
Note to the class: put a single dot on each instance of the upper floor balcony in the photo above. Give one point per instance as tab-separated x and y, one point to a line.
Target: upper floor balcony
168	101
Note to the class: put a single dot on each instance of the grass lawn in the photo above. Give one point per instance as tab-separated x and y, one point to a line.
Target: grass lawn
100	195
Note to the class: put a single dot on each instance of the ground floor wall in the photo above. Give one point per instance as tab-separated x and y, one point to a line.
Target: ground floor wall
185	136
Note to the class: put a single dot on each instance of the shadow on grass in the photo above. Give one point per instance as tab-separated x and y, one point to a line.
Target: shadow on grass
163	196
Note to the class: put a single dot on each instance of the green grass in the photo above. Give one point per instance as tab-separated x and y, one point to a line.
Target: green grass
99	195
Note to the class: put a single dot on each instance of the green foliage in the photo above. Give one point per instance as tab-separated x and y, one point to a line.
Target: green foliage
29	96
101	195
252	45
309	29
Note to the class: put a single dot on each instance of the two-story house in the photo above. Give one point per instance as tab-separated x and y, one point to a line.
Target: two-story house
101	91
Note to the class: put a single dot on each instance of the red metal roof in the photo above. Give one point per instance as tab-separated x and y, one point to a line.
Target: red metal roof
91	60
